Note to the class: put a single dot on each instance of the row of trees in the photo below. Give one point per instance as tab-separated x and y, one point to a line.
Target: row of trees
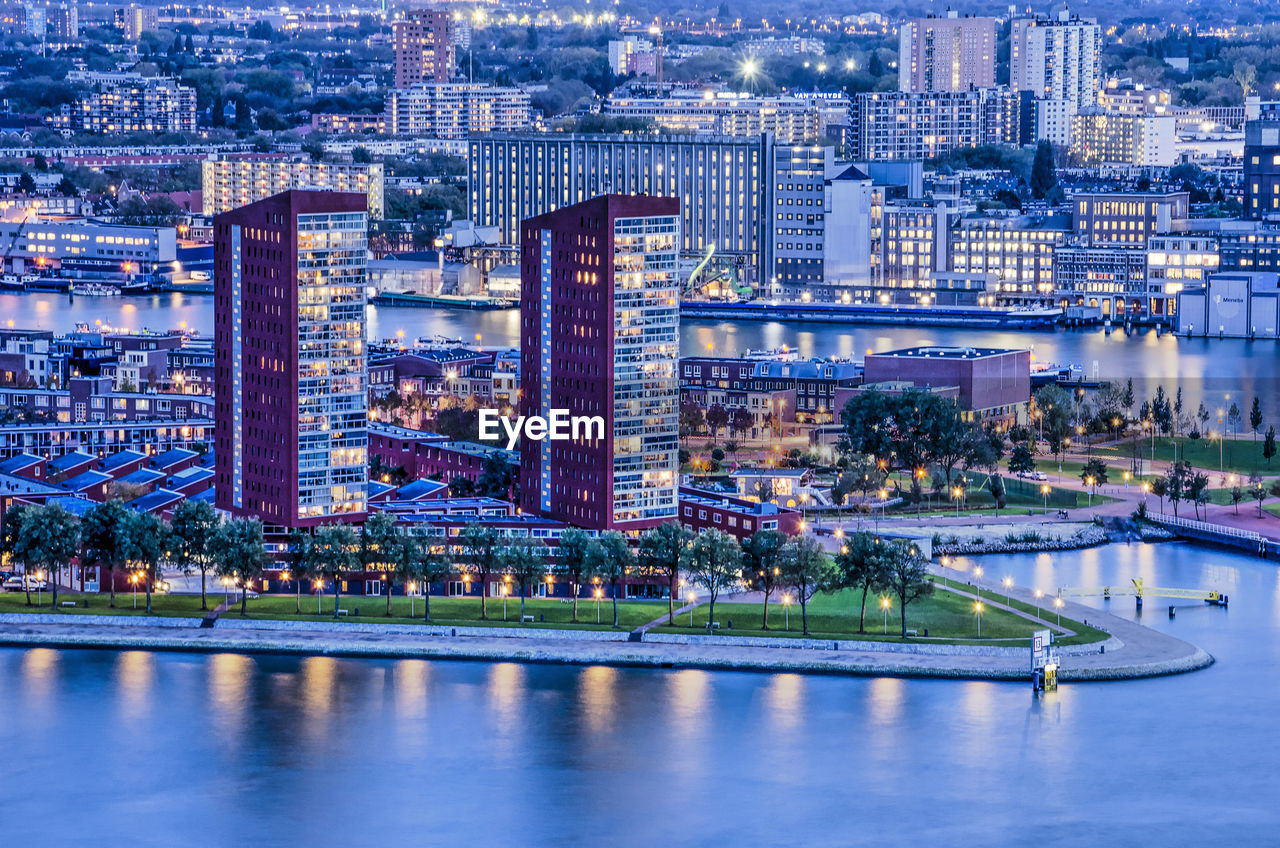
47	538
866	565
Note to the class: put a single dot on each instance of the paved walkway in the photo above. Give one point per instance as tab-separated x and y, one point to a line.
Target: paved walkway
1143	652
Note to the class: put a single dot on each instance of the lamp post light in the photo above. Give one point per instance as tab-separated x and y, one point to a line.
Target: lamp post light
1089	482
1038	595
884	605
693	600
506	590
133	581
1044	490
1057	602
955	495
598	593
977	608
1008	591
410	589
786	610
945	561
977	574
319	587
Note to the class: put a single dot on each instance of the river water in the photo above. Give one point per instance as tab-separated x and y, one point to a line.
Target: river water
1209	370
146	748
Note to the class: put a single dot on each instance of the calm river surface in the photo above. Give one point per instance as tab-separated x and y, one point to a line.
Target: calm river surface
144	748
1208	369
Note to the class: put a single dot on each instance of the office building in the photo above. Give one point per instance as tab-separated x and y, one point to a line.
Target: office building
62	22
1127	219
1053	121
1016	252
947	54
291	411
599	320
1262	169
799	213
721	183
127	103
1108	138
424	47
790	120
1125	97
1056	58
634	55
88	250
1232	304
456	110
1176	262
914	243
1112	280
990	383
238	179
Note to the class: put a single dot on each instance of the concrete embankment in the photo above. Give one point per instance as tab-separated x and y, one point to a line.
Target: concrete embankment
1132	651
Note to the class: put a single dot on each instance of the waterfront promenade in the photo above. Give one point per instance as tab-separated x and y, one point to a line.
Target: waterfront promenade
1133	651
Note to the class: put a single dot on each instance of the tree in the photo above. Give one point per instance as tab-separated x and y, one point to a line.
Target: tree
300	555
907	576
49	538
762	564
1259	494
148	544
193	525
613	561
995	485
1022	460
1198	491
496	480
741	422
717	419
1094	474
807	569
11	535
334	548
476	552
861	567
106	537
1160	488
1176	481
240	553
1234	417
525	559
1269	444
380	543
430	564
1237	495
659	554
714	560
1043	180
575	556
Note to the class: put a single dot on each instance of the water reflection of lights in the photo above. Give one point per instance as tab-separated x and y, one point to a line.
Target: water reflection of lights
229	676
597	696
135	678
785	697
319	676
39	673
410	680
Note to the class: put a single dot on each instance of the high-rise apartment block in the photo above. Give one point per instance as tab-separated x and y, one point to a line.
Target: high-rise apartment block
947	54
133	20
1262	169
456	110
599	336
291	377
424	47
126	103
1056	58
1108	138
790	120
237	179
893	125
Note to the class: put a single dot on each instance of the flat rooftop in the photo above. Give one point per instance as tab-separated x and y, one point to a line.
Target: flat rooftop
941	352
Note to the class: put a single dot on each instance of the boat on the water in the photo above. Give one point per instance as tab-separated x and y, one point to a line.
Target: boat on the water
94	290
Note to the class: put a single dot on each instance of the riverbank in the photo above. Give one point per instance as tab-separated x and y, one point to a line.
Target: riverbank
1132	651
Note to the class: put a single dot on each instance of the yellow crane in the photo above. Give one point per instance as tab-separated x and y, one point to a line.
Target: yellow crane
1139	590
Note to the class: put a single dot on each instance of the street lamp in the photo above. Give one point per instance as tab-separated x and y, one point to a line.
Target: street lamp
133	579
693	600
318	585
945	561
1008	587
1038	595
1044	490
411	588
955	495
1057	602
884	605
1089	482
977	608
598	593
506	590
786	610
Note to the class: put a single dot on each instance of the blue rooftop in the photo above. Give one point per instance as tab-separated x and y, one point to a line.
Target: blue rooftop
173	457
159	499
143	476
71	460
87	480
419	489
124	457
19	462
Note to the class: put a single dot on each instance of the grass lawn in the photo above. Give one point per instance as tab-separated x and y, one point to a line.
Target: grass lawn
1239	456
945	614
98	604
455	611
445	611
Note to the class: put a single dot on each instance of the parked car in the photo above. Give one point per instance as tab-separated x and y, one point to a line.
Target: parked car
19	583
1038	476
